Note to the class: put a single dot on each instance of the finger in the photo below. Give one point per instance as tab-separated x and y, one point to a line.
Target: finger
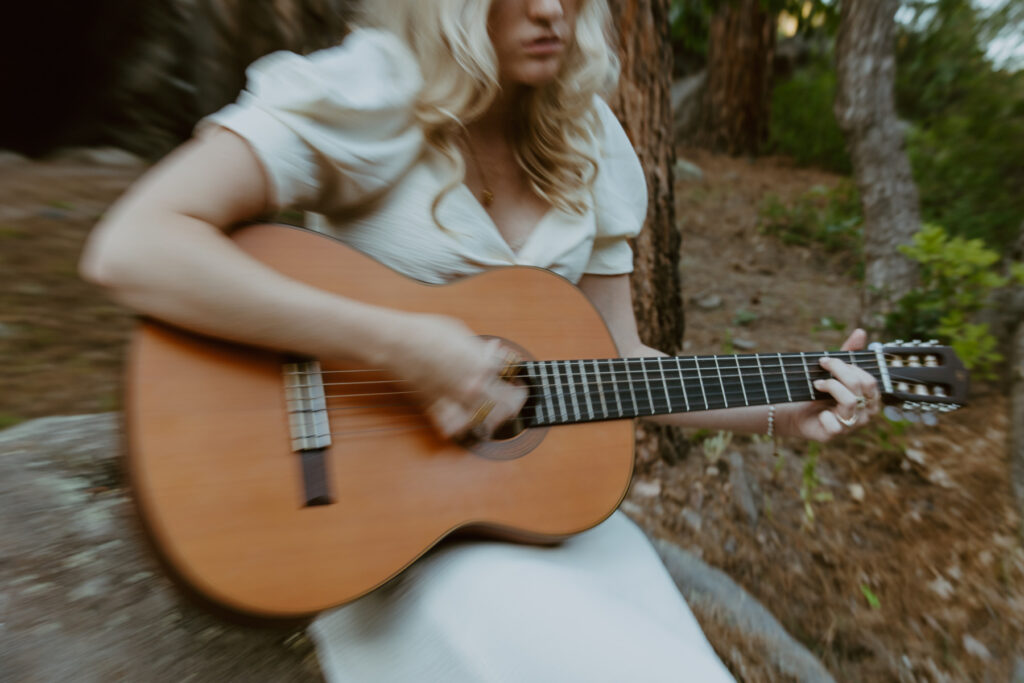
856	341
448	417
829	423
846	400
859	382
509	401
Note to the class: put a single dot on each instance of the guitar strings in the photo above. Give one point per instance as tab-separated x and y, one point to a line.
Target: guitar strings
649	374
772	357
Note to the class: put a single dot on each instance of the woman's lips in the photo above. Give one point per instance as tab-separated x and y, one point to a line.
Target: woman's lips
541	47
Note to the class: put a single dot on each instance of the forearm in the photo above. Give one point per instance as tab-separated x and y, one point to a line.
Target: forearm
187	272
753	420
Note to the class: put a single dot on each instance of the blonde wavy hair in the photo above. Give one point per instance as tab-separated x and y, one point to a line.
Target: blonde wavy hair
554	142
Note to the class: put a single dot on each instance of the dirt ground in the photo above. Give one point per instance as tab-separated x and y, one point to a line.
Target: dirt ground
901	564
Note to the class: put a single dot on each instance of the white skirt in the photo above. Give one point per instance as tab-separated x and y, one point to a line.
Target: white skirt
598	607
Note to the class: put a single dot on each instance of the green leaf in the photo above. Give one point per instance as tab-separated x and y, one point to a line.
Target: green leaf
870	597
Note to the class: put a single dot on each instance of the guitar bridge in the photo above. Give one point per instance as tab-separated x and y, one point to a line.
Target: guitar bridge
309	426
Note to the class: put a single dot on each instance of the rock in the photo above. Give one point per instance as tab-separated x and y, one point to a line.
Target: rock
650	488
99	156
857	492
915	455
693	518
941	587
81	597
687	170
9	158
976	648
742	494
939	477
1018	670
714	597
744	344
708	302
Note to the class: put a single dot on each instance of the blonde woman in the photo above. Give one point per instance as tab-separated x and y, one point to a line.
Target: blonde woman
443	138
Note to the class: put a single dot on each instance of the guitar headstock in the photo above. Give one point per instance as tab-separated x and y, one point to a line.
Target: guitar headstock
924	377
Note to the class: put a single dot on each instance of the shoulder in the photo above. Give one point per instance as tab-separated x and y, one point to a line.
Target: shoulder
620	189
370	70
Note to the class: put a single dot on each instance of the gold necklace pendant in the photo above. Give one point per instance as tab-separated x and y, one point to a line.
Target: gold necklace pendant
487	198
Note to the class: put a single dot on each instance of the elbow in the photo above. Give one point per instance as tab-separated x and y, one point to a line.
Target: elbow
99	265
113	260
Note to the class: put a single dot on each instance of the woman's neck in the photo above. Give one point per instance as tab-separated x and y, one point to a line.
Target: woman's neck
500	117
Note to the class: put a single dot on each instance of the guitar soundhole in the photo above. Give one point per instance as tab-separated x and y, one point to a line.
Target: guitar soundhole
511	440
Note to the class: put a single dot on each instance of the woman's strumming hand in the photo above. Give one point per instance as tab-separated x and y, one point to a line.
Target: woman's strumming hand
456	373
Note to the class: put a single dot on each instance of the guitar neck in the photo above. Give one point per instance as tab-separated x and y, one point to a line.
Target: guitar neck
570	391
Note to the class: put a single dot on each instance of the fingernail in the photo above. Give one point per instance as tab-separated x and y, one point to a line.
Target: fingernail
819	383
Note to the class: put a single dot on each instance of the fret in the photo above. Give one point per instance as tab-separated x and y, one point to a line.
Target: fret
807	371
721	383
586	390
615	388
636	375
785	379
629	384
700	380
532	382
600	389
739	374
664	384
552	410
710	385
682	382
647	383
760	369
571	388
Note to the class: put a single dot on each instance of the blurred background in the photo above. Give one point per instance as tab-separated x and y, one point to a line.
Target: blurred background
813	166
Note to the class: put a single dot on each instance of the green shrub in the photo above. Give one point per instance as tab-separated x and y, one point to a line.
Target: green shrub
802	123
821	216
957	278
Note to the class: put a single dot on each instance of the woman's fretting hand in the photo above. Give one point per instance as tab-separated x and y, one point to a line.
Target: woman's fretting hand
856	400
456	373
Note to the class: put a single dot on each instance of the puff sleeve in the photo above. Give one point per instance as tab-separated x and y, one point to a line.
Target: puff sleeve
620	199
334	128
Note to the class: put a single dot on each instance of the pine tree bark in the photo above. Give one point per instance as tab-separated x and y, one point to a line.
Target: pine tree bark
643	105
737	103
866	112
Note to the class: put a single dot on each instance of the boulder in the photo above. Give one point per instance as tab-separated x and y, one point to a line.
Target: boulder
81	597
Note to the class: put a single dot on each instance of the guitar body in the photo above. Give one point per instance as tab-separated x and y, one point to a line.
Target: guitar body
220	487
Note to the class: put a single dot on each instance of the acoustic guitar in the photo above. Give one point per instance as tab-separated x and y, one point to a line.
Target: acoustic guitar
280	486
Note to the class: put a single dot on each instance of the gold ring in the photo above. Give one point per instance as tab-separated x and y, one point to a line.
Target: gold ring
482	411
862	403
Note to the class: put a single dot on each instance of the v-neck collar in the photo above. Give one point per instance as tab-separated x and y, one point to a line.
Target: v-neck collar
495	232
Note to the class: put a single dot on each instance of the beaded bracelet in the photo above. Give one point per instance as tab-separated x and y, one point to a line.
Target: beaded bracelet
771	421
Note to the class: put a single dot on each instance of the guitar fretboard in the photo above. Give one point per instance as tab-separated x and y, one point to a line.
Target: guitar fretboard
568	391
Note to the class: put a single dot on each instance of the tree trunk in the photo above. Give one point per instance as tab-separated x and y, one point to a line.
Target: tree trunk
735	112
643	104
864	109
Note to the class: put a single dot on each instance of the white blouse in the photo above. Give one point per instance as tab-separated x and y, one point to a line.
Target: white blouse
336	135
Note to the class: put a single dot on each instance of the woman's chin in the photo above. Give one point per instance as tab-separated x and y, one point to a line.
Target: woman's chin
537	74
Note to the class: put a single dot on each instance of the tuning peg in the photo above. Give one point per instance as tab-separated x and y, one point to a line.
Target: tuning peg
929	419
